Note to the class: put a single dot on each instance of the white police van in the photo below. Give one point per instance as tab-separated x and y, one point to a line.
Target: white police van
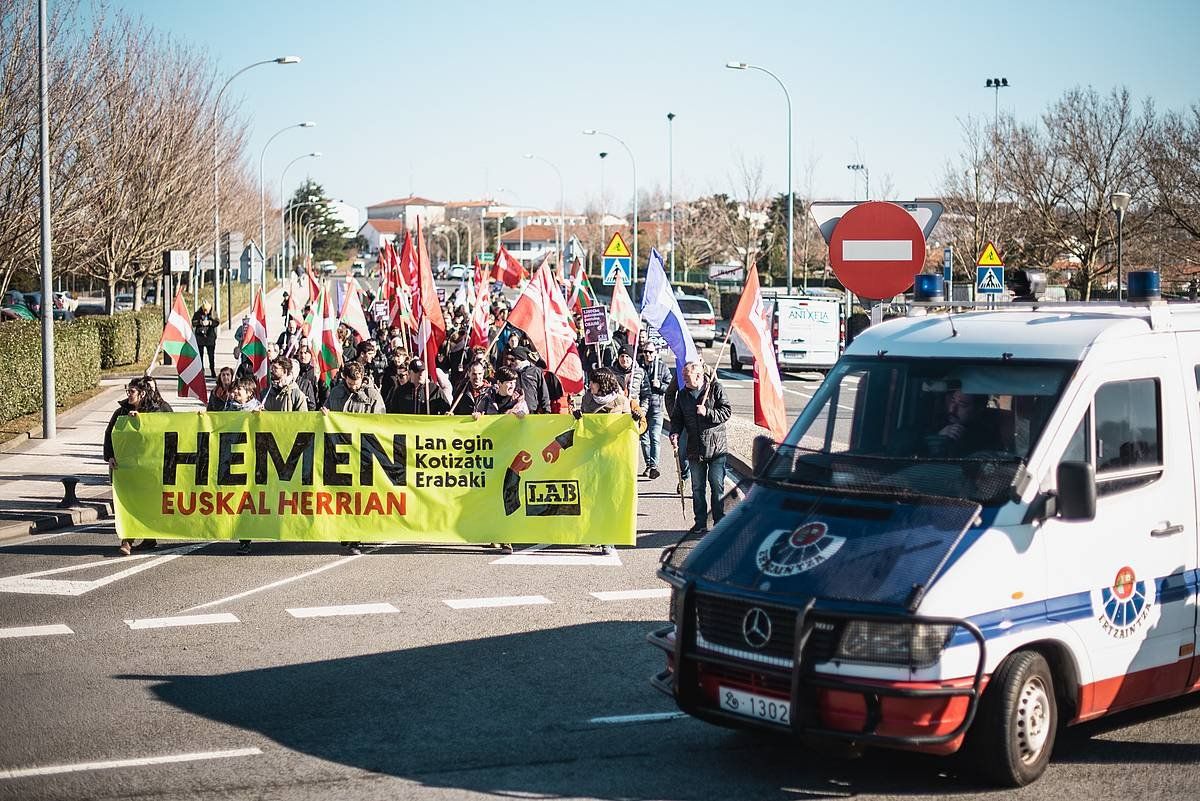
983	525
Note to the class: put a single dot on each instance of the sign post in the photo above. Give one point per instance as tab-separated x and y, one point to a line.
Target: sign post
617	263
948	271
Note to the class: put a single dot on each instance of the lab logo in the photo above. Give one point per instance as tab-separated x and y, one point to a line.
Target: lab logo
1125	606
785	553
551	498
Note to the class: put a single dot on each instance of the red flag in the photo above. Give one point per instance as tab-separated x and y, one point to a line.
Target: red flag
431	325
623	312
541	312
179	340
408	284
254	342
479	316
481	277
314	286
508	269
752	323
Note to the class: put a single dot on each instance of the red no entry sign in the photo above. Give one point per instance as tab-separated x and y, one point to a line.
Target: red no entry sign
876	249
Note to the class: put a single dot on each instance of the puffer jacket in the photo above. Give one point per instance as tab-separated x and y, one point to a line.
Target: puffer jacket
706	433
365	400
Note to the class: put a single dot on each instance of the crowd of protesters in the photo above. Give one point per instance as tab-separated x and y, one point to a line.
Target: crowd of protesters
383	375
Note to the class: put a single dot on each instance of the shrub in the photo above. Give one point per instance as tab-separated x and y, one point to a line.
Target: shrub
118	339
76	364
149	332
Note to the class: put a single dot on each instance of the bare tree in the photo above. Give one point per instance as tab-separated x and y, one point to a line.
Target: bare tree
1173	157
1062	173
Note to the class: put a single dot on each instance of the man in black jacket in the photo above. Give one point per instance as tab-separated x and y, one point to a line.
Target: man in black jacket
701	410
204	326
419	395
531	380
656	379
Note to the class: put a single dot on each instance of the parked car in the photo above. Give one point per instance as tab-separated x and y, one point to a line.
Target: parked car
64	315
13	298
700	319
124	302
327	267
17	311
458	272
34	301
64	300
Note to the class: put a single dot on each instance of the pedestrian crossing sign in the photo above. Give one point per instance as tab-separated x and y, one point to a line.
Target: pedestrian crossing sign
616	268
989	280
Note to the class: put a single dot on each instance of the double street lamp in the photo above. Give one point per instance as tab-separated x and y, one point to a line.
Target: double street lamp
217	178
741	65
1120	203
633	276
262	198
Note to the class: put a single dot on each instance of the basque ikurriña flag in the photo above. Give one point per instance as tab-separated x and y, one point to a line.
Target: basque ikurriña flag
254	342
179	341
661	310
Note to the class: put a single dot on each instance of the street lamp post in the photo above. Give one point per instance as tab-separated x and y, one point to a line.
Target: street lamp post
593	132
217	177
457	244
671	184
468	227
562	202
262	198
1120	203
316	154
49	398
741	65
603	205
996	84
865	171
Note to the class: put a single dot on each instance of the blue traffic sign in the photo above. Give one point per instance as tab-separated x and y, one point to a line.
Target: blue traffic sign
989	280
617	266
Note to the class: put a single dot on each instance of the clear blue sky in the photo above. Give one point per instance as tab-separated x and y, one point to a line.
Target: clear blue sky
443	98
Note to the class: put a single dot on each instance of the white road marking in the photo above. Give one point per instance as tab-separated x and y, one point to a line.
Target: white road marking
181	620
877	249
632	595
31	583
35	631
34	539
649	717
507	600
197	756
530	556
338	611
275	584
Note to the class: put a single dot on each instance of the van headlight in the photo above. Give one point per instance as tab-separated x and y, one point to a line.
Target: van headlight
909	644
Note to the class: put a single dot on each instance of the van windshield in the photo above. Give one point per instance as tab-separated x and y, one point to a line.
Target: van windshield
947	427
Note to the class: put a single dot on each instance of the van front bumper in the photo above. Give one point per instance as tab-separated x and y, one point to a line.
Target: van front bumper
926	716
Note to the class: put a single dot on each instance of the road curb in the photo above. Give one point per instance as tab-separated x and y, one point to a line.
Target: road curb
43	521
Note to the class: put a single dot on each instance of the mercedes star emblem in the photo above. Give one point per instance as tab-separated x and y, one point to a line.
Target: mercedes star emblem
756	627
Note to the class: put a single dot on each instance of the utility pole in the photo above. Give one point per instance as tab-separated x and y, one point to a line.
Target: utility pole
49	421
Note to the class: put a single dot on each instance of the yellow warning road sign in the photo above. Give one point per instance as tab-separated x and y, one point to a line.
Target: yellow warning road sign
617	247
989	257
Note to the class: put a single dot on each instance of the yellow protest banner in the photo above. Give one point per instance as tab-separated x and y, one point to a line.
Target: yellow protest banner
337	477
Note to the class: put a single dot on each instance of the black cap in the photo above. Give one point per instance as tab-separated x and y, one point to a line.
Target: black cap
520	353
625	350
416	366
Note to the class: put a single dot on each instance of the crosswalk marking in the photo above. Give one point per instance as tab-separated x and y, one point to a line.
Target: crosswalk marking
508	600
339	611
35	631
34	584
78	767
632	595
181	620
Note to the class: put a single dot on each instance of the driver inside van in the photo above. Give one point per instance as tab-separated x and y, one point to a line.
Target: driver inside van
961	430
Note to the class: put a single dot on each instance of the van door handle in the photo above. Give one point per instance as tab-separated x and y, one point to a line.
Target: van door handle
1167	530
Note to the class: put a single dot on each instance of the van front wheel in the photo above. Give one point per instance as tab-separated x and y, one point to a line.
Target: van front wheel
1013	734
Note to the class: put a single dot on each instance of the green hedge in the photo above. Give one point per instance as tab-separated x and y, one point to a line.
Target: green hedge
76	364
149	332
118	339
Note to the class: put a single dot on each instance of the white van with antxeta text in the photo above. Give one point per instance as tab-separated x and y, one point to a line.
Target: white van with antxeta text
982	527
808	332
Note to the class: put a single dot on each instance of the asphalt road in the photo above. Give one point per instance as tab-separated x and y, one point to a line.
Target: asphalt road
317	675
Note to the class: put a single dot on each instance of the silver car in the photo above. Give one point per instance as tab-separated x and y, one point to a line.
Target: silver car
700	319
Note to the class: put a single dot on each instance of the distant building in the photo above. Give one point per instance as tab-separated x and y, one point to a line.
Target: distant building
530	217
529	243
376	232
408	209
347	214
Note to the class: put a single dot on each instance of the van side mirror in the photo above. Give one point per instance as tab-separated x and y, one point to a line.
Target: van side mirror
1076	491
764	449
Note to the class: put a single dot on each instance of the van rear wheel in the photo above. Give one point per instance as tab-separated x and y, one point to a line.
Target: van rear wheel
734	363
1013	735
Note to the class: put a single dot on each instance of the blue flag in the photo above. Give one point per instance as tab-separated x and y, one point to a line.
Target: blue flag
661	310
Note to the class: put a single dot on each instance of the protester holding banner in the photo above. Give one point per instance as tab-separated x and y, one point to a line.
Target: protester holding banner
473	385
502	397
355	393
140	396
656	377
418	395
604	394
284	395
396	373
221	391
701	410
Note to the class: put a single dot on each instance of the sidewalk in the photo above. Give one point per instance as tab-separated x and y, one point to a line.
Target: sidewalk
31	474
